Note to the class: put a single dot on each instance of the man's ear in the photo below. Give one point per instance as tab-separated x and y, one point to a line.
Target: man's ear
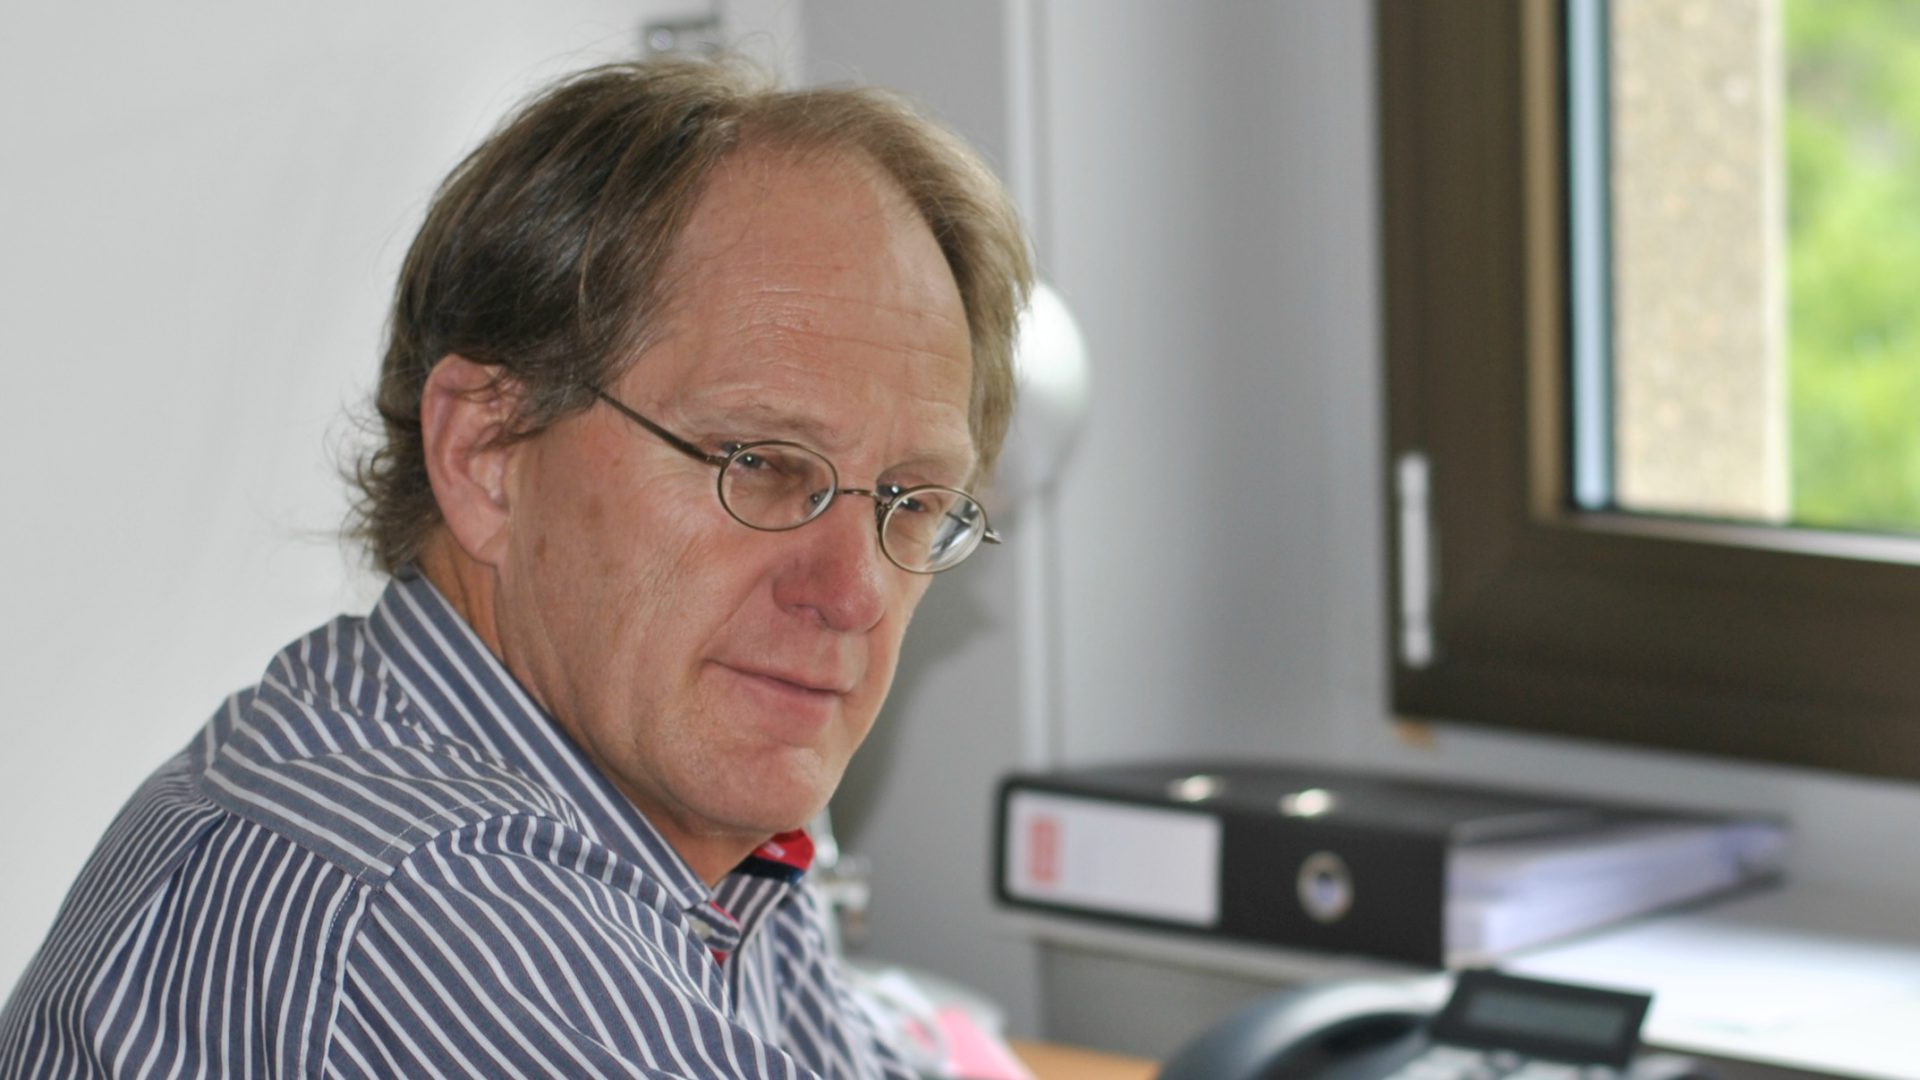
465	413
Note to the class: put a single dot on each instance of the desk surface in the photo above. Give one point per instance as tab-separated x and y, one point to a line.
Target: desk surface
1050	1061
1806	980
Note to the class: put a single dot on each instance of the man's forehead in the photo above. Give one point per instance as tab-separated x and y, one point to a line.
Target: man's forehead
810	301
759	203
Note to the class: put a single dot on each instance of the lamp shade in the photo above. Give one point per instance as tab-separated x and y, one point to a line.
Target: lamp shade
1055	388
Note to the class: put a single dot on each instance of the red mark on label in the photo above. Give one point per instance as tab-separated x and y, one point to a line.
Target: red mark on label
1043	850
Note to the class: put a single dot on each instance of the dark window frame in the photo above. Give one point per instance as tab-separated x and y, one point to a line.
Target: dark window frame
1748	642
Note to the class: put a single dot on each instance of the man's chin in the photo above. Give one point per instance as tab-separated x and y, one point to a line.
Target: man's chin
769	805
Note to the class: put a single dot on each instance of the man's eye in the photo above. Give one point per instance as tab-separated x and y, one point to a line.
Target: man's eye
750	462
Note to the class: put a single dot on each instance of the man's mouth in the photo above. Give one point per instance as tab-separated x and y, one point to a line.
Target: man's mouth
806	682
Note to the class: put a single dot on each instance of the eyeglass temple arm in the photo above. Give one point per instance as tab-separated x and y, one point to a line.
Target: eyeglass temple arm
666	436
988	537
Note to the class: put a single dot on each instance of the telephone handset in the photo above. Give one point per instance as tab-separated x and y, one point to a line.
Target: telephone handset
1494	1025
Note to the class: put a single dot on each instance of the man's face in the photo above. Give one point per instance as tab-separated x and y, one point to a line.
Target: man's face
721	676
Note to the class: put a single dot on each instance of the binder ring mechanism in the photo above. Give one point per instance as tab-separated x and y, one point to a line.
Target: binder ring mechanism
1325	887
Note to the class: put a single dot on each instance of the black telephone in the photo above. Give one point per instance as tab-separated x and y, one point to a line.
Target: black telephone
1494	1025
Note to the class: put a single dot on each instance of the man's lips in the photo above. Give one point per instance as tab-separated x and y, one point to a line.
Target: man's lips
795	680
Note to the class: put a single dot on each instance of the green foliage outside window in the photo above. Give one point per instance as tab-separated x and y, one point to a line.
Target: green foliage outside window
1853	195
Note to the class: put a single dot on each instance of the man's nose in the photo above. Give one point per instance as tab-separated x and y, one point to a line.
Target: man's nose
841	575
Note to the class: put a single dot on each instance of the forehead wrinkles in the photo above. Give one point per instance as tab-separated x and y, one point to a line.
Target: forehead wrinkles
747	332
920	418
779	321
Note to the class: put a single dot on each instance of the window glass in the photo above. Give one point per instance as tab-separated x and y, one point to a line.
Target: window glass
1636	207
1744	208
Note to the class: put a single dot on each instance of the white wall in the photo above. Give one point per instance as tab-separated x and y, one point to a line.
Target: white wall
1213	229
204	207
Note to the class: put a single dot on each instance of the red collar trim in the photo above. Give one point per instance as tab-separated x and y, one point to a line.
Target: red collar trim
793	850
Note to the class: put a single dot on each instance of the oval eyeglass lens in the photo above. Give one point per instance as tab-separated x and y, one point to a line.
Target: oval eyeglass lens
933	528
776	485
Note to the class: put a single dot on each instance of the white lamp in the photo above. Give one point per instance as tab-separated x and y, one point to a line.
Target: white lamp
1055	386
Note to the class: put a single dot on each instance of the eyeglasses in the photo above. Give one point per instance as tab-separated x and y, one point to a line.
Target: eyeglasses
774	486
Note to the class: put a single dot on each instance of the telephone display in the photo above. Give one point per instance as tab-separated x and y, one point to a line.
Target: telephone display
1531	1017
1499	1012
1493	1026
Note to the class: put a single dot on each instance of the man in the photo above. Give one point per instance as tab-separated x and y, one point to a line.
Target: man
686	384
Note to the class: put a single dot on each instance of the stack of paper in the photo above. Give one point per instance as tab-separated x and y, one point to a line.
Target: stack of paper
1509	894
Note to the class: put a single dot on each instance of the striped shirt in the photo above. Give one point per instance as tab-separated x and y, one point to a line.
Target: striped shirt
384	860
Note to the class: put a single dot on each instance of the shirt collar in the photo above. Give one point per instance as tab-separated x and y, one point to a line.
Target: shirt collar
461	690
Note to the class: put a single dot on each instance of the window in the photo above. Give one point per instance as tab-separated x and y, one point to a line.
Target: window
1557	568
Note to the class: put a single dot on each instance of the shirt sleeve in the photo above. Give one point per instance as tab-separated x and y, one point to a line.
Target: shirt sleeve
821	1022
518	948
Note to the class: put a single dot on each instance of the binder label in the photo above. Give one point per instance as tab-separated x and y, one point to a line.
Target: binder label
1128	860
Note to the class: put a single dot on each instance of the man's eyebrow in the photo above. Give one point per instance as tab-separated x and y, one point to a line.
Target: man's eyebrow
761	420
949	466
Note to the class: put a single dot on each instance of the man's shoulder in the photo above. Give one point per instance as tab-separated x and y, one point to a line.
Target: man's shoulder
327	751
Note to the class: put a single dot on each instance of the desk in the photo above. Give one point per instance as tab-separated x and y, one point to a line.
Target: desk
1050	1061
1802	982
